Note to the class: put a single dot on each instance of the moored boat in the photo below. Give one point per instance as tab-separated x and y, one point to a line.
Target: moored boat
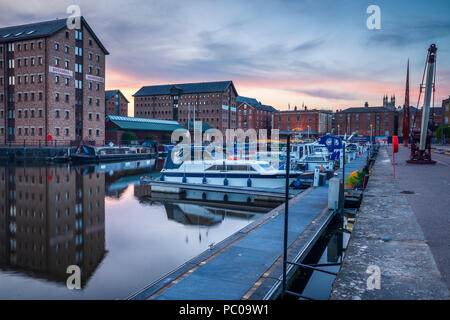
89	154
226	172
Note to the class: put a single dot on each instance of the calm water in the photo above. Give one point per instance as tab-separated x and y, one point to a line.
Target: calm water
101	219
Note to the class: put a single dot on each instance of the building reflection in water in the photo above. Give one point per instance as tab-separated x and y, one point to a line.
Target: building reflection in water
51	218
202	209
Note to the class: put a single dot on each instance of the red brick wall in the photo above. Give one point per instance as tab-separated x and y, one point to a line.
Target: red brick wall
348	122
297	120
110	106
94	124
208	108
28	120
256	119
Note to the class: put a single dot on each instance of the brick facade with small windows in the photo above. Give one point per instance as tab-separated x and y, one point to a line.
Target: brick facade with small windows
211	102
251	114
49	86
366	121
116	103
317	121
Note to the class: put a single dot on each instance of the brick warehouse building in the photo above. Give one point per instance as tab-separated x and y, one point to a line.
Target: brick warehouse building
318	121
116	103
378	121
251	114
211	102
51	84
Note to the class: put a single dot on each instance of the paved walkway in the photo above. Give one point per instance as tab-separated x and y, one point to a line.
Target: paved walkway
387	236
430	202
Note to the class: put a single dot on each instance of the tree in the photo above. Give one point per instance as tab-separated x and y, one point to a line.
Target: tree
128	136
443	132
150	138
166	139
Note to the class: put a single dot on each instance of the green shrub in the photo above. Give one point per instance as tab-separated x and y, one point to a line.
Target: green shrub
127	137
166	139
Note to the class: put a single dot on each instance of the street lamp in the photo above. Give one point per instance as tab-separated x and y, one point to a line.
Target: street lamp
339	132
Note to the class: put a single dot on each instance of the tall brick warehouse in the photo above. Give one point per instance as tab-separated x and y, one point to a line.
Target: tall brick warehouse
211	102
52	84
115	103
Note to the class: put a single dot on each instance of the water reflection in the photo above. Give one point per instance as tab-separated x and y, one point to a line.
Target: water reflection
327	254
100	218
51	218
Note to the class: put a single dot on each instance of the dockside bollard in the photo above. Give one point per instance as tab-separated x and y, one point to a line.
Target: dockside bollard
316	176
335	193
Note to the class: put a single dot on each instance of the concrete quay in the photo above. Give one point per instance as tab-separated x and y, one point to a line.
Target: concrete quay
388	238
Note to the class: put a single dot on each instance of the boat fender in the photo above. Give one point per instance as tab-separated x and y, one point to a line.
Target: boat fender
162	178
225	182
298	183
184	180
204	196
225	197
204	180
249	182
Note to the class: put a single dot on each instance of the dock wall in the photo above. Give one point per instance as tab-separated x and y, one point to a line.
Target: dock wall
387	256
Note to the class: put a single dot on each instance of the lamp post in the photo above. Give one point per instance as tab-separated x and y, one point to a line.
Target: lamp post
339	131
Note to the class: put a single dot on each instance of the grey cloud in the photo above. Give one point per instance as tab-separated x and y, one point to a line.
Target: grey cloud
326	94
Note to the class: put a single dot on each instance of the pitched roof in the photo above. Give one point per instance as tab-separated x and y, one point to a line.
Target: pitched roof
270	108
185	88
368	109
111	93
255	104
144	124
41	30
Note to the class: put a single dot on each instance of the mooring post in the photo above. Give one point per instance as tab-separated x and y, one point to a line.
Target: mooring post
343	168
286	209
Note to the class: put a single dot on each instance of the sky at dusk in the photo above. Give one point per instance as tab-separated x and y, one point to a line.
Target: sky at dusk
316	52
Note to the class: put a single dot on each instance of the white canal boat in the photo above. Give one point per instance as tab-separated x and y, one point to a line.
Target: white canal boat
236	173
